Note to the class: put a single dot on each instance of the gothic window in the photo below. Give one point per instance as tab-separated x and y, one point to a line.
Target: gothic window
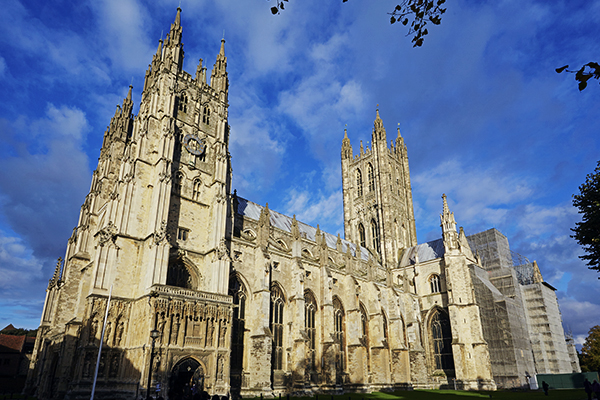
441	340
364	324
179	275
277	302
310	311
338	334
375	235
183	101
359	183
434	282
177	182
361	234
384	326
371	177
238	292
197	189
206	115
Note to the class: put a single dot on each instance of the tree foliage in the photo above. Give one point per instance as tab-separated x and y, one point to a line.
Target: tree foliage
589	357
20	332
584	74
421	12
587	232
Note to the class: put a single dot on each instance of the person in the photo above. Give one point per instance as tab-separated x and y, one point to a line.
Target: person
587	386
545	386
596	388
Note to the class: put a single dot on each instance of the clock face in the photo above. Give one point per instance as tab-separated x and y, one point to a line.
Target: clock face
194	144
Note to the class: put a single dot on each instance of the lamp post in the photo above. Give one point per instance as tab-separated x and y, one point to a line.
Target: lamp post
154	334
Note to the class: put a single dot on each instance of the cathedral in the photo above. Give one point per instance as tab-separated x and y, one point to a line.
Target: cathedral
172	283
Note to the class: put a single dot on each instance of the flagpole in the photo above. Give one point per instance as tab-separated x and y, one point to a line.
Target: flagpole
101	341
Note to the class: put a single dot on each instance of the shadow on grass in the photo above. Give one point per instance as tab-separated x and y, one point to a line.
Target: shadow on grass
575	394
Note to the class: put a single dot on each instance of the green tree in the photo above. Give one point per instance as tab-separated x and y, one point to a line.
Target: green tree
589	358
587	232
420	11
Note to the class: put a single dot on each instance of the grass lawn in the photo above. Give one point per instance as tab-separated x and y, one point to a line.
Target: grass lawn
575	394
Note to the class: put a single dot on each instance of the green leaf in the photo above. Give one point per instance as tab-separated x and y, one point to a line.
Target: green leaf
274	10
561	69
392	20
405	21
582	85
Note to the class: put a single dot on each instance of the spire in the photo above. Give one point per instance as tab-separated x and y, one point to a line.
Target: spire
178	17
378	129
448	225
128	104
346	146
222	51
218	78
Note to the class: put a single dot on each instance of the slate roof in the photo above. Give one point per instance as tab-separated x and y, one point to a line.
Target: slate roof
252	210
424	252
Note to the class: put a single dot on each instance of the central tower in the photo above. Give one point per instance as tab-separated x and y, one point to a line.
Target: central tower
378	207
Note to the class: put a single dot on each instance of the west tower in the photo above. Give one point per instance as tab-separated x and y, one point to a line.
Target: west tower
154	228
378	208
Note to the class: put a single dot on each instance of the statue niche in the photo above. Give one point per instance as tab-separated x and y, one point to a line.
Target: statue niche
181	273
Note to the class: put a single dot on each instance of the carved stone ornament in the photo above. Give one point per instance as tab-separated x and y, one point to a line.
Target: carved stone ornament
73	238
108	233
55	281
223	251
164	176
161	233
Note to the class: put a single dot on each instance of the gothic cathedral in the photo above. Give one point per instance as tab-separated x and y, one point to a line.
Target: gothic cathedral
172	284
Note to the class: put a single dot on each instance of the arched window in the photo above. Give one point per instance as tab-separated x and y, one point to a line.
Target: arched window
183	100
339	337
441	340
238	292
179	275
197	189
361	234
375	235
277	302
310	311
206	115
434	282
359	183
371	177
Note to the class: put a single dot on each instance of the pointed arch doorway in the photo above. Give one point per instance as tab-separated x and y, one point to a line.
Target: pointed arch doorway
187	378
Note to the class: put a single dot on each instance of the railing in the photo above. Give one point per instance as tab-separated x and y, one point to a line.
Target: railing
192	294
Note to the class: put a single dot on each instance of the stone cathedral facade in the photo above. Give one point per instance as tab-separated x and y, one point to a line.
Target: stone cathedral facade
248	301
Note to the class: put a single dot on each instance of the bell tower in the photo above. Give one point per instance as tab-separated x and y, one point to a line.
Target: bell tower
378	208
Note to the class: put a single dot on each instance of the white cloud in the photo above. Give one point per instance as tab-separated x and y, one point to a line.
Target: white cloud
579	316
48	180
18	267
3	67
124	25
483	195
313	207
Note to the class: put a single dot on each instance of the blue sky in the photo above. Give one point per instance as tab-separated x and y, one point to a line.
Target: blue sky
485	118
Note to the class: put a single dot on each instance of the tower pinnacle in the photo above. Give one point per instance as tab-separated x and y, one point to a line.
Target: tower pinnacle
178	17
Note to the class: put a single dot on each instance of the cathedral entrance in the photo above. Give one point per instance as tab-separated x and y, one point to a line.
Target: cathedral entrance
186	380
